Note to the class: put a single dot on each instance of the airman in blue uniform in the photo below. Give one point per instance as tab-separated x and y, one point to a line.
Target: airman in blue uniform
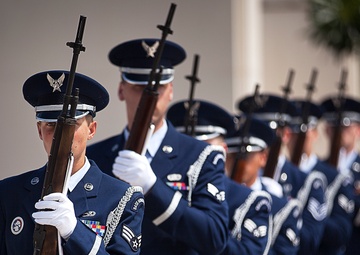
309	189
349	159
182	178
339	197
97	214
249	211
286	215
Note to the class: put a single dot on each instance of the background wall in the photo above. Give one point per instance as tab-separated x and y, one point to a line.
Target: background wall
33	36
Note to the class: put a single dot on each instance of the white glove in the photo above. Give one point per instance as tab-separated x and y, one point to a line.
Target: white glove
59	213
134	169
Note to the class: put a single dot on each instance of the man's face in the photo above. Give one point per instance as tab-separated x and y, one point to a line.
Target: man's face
83	132
310	138
250	166
131	94
349	135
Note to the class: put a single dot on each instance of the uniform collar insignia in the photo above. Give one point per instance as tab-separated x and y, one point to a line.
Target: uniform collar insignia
56	84
150	50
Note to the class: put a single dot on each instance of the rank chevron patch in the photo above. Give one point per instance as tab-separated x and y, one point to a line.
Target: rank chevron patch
220	195
317	210
251	226
346	204
291	235
133	241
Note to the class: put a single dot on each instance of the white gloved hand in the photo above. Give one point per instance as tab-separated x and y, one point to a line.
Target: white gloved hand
134	169
59	213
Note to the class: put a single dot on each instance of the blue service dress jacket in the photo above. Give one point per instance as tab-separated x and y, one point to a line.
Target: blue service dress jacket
186	212
95	198
353	247
310	190
286	220
249	219
340	210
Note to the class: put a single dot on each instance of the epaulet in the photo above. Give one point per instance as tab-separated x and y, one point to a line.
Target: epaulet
293	205
195	169
114	216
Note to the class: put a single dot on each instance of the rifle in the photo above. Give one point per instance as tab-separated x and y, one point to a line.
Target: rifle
275	148
58	170
335	143
240	161
191	108
300	140
141	126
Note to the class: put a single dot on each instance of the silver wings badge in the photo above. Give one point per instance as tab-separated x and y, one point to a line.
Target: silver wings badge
56	84
150	50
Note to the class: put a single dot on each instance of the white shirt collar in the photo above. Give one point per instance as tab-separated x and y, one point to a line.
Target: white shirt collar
76	177
307	163
345	160
279	166
155	140
256	185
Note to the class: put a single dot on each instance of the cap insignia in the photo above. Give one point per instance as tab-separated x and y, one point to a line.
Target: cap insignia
193	109
56	84
150	50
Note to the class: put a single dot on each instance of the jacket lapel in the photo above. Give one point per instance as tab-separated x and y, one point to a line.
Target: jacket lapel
85	190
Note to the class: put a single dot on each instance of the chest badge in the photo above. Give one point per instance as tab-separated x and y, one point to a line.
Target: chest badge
178	185
174	177
17	225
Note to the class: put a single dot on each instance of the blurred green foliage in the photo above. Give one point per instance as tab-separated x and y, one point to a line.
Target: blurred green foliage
335	24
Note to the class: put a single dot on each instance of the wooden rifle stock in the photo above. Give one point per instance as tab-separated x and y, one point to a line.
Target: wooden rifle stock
275	148
191	113
273	156
149	97
335	143
238	169
45	237
300	140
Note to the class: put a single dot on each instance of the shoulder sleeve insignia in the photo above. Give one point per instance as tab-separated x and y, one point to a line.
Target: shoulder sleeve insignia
263	202
137	203
129	236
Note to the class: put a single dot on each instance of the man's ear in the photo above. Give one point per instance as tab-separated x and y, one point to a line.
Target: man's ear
120	91
286	134
171	94
263	157
38	124
92	130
